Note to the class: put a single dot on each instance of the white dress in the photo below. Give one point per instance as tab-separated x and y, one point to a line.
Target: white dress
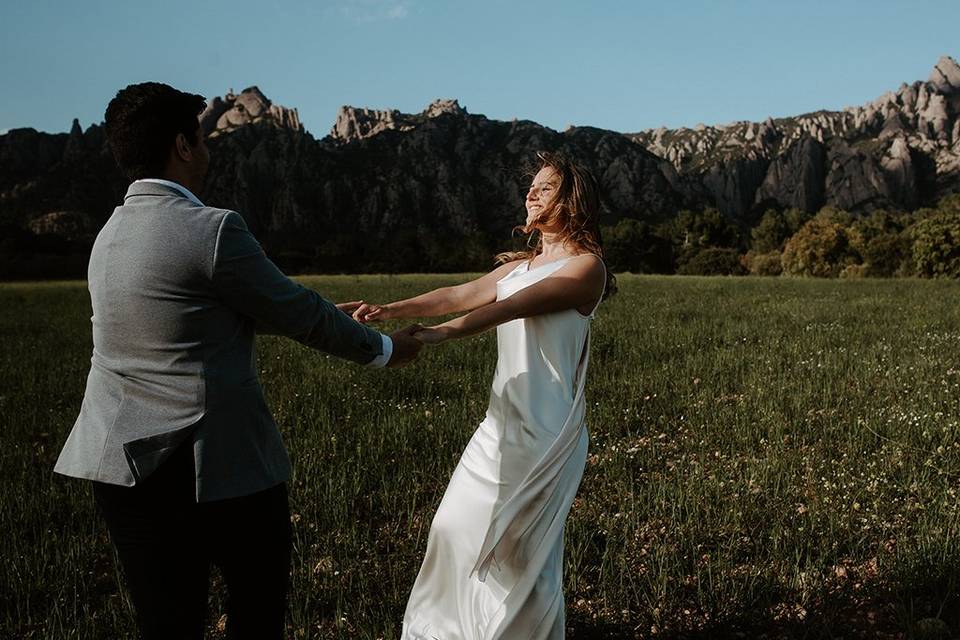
494	561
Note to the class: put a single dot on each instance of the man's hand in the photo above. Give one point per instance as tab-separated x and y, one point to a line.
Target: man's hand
349	307
405	346
432	335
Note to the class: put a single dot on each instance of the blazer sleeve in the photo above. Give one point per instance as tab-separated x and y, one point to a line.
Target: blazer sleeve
251	285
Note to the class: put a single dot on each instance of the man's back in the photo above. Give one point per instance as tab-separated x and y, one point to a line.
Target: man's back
188	466
178	291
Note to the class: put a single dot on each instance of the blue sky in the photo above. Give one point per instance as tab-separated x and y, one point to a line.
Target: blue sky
625	66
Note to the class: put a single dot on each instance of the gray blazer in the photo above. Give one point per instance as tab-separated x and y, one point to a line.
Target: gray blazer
178	293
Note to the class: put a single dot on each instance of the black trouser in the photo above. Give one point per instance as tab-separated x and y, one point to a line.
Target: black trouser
167	541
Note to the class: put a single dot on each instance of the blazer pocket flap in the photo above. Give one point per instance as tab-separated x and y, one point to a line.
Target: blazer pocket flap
145	455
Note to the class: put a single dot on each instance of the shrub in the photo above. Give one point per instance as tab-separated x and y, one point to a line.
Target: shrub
774	229
936	245
885	254
713	261
635	246
821	248
854	271
762	264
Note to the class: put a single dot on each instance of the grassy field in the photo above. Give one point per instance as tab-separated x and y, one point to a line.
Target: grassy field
773	457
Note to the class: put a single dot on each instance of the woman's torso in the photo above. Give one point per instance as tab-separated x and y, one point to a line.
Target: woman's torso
539	362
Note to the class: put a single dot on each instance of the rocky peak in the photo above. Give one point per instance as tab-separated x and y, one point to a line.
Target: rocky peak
875	153
356	123
76	146
441	106
946	75
250	105
441	168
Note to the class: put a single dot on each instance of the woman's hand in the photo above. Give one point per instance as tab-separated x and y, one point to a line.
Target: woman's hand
433	335
350	307
366	312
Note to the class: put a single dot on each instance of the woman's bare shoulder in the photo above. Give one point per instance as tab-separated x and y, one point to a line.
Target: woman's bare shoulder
588	263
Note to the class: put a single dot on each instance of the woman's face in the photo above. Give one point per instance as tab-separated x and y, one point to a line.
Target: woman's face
542	192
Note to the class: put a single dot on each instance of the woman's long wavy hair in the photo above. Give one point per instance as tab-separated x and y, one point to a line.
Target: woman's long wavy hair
575	212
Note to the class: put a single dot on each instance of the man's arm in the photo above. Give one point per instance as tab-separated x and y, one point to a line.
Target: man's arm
250	284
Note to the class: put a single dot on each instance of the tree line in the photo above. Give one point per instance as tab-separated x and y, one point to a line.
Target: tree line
830	243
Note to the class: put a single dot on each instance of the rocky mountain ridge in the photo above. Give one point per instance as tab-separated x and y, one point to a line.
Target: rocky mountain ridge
899	151
441	189
226	114
357	123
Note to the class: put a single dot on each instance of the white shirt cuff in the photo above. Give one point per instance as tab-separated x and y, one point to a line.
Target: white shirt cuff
382	359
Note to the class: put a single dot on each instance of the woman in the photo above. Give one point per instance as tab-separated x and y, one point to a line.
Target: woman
494	560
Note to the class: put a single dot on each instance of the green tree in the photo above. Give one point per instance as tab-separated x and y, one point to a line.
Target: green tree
885	254
820	248
936	243
637	247
838	216
707	228
446	253
763	264
775	228
693	232
713	261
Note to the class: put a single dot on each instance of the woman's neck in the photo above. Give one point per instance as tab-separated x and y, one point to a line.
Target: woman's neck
552	248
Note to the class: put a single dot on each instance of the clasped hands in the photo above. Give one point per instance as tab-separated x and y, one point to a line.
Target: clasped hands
366	313
407	342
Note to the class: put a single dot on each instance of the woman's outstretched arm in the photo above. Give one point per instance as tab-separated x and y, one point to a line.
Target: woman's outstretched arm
462	297
577	284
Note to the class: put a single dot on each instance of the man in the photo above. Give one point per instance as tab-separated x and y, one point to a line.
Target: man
188	466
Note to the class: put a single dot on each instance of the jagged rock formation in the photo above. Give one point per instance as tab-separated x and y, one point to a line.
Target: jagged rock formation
233	111
796	177
441	189
899	151
42	173
437	190
356	123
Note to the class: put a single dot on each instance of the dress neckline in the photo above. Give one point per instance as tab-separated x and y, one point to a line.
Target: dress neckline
527	269
546	264
526	263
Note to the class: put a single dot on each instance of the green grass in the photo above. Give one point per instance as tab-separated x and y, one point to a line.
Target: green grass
767	456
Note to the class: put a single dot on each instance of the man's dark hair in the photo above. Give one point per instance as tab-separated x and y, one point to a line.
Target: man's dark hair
142	123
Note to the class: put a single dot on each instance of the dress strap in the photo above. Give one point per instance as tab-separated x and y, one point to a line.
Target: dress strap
602	293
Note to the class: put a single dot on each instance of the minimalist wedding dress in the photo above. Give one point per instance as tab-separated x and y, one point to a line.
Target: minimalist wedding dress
494	561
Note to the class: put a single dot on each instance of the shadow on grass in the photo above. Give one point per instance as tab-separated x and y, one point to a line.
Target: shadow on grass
925	606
